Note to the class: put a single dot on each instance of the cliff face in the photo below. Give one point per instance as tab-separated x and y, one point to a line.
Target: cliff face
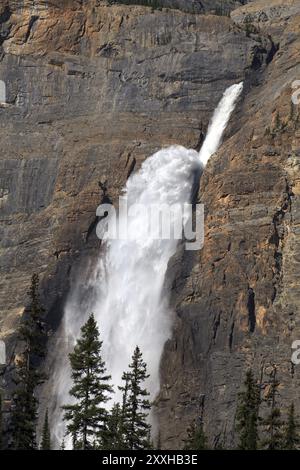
92	90
237	301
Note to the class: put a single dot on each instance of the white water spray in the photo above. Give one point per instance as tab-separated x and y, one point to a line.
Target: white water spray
127	284
219	122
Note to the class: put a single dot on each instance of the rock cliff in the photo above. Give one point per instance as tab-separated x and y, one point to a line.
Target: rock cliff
93	88
237	302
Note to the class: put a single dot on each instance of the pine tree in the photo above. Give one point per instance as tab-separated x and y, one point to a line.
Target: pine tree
63	445
291	438
136	405
46	435
196	439
247	414
272	422
24	408
87	417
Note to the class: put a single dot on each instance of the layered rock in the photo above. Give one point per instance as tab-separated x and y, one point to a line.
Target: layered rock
92	90
237	302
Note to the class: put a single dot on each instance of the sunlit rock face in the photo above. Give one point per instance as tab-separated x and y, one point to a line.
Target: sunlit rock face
92	89
237	301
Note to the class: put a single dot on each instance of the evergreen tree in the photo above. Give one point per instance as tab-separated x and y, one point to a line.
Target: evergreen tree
291	438
136	405
87	417
46	435
272	422
125	414
63	445
196	439
114	434
247	414
32	335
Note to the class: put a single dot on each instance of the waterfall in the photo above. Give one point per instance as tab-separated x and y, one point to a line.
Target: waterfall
126	286
219	122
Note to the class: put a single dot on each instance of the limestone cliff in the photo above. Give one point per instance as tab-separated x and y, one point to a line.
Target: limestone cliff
237	302
93	88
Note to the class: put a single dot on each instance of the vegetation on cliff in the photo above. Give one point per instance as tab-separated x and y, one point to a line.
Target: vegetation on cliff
32	336
267	432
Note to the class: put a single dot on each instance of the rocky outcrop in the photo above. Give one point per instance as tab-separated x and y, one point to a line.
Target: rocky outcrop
92	90
237	302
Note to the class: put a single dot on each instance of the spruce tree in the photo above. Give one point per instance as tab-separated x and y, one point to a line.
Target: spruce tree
137	405
125	412
291	439
272	422
87	417
114	433
247	414
196	439
46	435
32	335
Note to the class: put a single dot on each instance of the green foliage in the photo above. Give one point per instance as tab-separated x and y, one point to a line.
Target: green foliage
272	422
46	435
24	417
24	407
247	414
87	418
291	439
196	439
124	420
115	431
135	406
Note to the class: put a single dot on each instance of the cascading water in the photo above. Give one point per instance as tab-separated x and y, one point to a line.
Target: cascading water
219	122
127	284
